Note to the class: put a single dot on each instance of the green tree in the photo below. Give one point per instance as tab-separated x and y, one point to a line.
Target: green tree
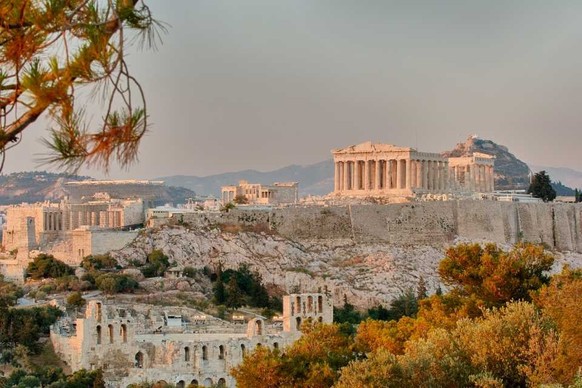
405	305
541	187
156	264
75	300
49	51
98	262
219	290
9	293
346	314
111	283
46	266
234	297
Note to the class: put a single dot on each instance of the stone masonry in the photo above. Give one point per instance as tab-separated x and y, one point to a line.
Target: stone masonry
136	343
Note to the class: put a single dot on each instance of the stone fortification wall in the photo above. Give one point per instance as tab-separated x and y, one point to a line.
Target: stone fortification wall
76	244
12	270
431	223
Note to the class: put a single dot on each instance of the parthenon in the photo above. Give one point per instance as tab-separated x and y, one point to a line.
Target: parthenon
370	169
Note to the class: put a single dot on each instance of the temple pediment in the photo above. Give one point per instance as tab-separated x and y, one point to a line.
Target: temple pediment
371	147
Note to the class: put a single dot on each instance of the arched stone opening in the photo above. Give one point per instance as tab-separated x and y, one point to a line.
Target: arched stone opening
309	304
123	333
98	335
298	323
139	360
320	304
275	345
186	354
194	383
208	382
259	327
110	328
243	350
221	382
181	384
99	307
205	352
221	352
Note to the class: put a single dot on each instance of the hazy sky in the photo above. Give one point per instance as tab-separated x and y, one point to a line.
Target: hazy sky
263	84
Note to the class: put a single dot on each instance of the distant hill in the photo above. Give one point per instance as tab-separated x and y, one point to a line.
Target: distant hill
510	172
562	190
39	186
567	176
317	179
314	179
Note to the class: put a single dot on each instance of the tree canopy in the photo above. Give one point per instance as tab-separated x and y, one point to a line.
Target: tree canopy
49	51
541	187
503	323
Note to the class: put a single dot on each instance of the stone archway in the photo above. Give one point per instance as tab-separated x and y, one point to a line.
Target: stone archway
207	382
139	360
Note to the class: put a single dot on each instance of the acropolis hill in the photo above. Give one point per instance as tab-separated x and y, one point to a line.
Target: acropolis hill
371	253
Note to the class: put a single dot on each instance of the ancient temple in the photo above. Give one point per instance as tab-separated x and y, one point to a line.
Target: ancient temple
371	169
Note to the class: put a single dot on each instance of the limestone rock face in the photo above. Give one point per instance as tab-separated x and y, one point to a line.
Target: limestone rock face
369	253
510	172
366	273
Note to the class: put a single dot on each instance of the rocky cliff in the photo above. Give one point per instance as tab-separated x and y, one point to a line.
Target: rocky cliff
370	253
510	172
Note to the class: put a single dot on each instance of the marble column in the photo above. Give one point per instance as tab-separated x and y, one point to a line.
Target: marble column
377	176
441	176
446	177
412	173
429	175
398	173
367	175
408	183
336	177
387	170
357	185
492	178
346	175
418	174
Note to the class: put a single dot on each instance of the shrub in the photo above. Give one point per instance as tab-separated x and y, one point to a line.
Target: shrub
46	266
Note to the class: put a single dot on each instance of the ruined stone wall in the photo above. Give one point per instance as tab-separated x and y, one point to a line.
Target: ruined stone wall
432	223
74	245
133	213
12	270
15	230
133	344
103	241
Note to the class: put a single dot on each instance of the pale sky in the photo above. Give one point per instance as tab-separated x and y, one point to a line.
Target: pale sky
264	84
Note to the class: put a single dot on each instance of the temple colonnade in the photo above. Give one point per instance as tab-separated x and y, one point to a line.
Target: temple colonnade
386	174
